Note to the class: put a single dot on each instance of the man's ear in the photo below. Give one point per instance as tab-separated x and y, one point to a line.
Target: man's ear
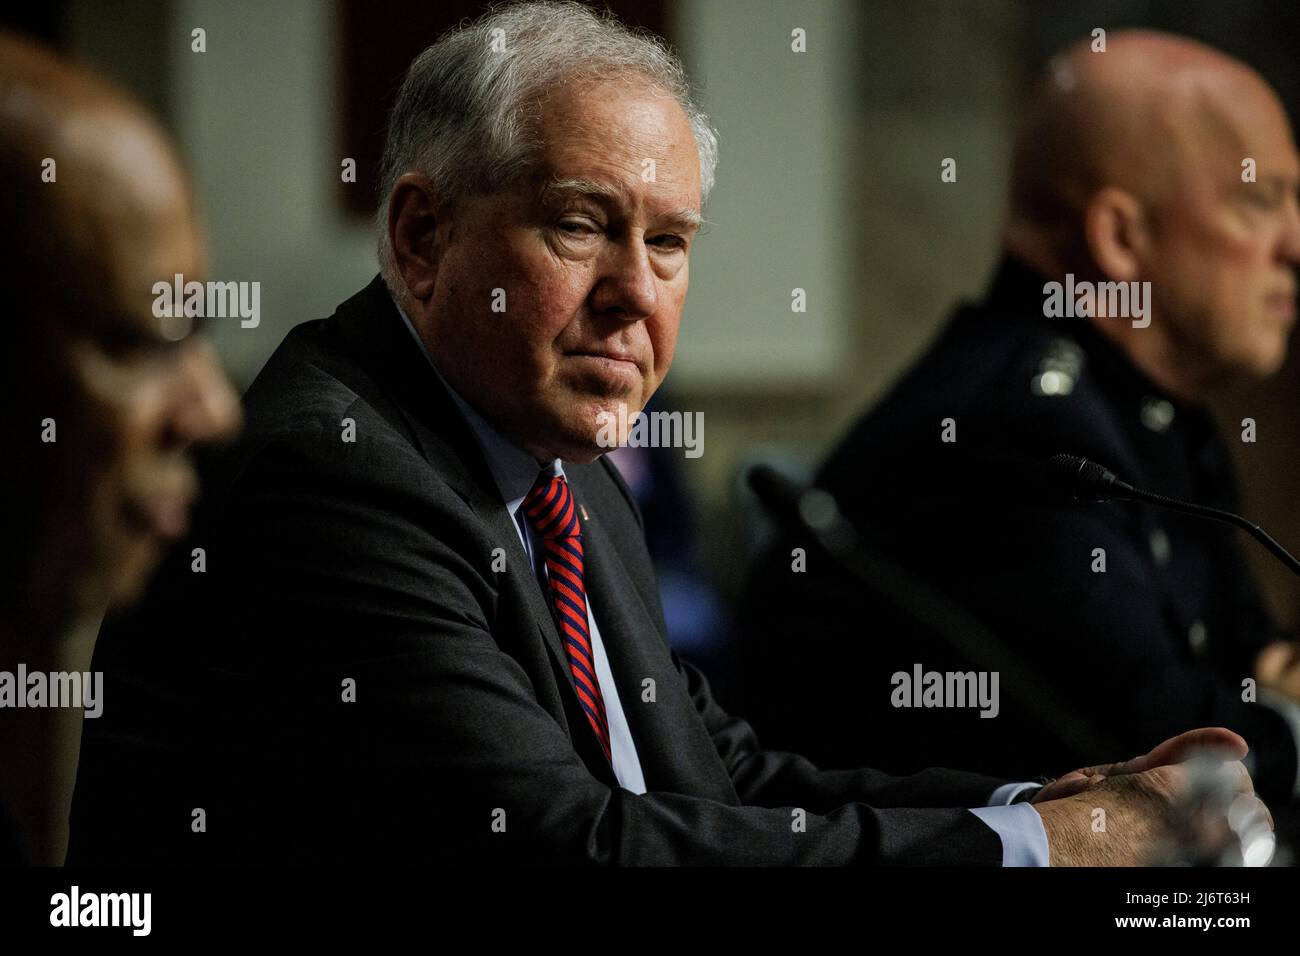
413	220
1117	232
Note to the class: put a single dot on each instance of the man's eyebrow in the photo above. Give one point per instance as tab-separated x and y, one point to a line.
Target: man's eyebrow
583	187
687	217
596	190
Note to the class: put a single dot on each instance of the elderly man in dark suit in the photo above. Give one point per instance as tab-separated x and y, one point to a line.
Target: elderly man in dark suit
427	625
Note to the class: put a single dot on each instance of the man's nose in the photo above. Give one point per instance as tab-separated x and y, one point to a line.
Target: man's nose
629	287
207	406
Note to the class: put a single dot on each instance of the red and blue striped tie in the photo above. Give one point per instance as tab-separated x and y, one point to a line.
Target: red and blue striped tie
553	515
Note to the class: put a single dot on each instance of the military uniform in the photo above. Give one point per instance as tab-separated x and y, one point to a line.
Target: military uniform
1142	622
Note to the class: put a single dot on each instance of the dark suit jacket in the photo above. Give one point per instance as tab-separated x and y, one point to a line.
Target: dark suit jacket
371	561
11	853
1157	644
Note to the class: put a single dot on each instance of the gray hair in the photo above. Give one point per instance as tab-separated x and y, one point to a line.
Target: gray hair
461	115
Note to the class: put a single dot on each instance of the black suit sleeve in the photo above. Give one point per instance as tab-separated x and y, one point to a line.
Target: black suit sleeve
775	778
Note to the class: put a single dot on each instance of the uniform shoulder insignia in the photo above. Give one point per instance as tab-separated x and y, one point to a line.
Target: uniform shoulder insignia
1059	369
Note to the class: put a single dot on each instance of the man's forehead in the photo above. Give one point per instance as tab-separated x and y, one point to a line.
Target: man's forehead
1272	160
1242	114
616	125
1215	145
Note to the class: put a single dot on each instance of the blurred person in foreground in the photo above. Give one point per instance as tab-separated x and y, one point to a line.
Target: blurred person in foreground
106	401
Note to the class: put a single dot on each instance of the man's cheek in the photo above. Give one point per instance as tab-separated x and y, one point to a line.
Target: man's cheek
665	347
664	359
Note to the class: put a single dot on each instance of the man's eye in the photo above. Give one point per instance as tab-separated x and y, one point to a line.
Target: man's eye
152	350
668	241
126	339
1261	199
576	227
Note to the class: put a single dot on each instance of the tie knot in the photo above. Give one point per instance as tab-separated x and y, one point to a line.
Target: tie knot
550	510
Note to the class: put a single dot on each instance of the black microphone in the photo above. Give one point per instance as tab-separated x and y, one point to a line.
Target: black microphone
1091	481
1087	479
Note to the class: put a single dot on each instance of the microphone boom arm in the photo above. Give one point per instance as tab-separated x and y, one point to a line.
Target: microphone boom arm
1091	481
1226	517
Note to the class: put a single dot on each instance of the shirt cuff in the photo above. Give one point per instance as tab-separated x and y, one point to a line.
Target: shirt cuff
1020	828
1289	711
1006	794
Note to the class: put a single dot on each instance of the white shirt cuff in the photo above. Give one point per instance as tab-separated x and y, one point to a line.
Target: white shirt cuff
1005	794
1020	828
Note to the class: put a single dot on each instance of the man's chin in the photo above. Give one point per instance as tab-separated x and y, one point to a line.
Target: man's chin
1267	362
579	426
133	572
598	429
597	436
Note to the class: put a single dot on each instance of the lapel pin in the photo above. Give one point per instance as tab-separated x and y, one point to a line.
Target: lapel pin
583	509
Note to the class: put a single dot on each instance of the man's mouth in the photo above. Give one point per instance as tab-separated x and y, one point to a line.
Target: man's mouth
608	355
165	516
609	371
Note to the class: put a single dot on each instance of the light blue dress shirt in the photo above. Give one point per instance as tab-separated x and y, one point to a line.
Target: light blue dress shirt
1018	826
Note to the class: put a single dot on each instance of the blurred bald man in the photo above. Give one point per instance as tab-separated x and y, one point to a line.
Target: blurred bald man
1129	168
106	400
